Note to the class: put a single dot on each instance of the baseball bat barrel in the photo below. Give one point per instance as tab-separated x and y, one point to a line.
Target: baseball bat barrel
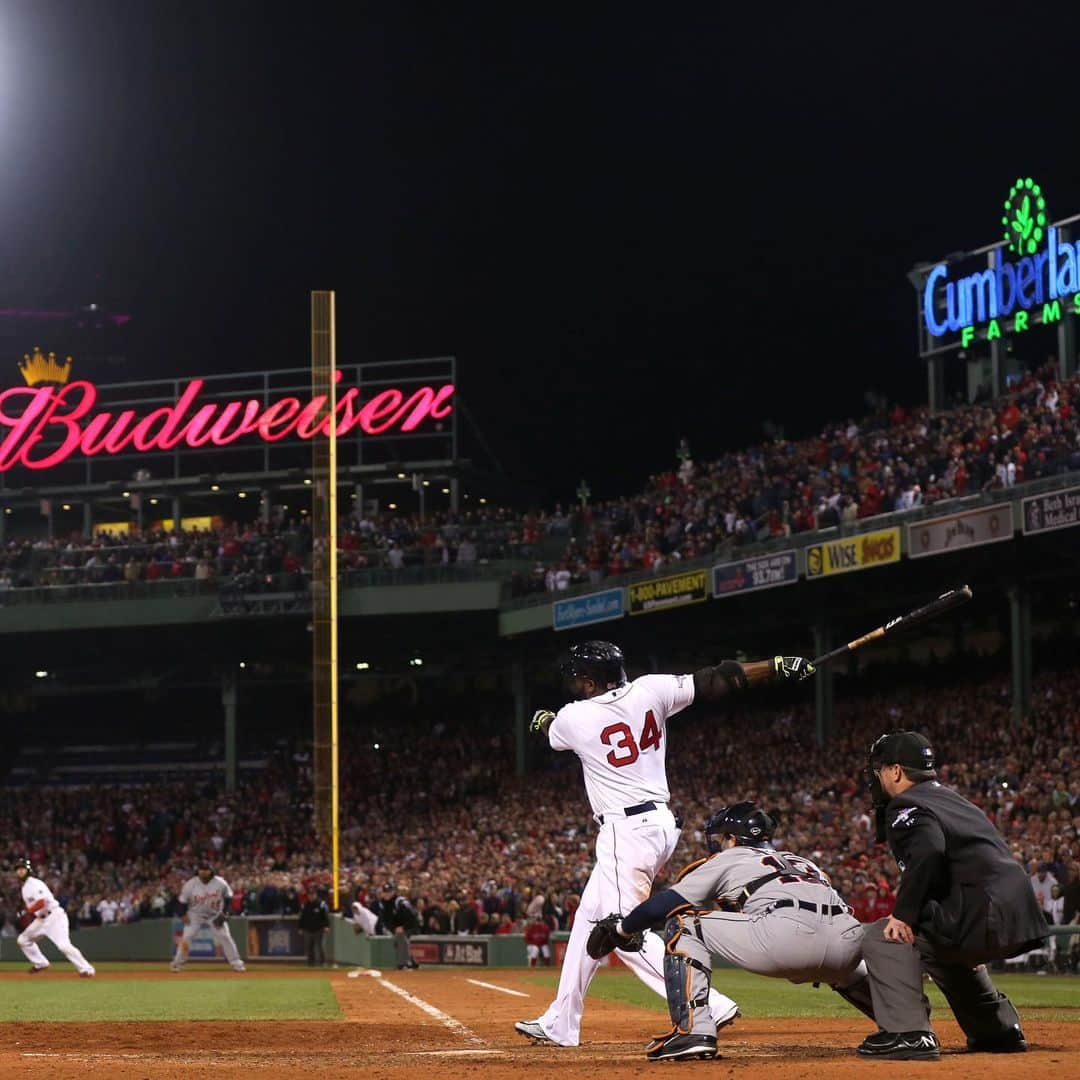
945	602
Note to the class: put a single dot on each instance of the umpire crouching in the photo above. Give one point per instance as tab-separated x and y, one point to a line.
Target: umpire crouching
963	902
398	917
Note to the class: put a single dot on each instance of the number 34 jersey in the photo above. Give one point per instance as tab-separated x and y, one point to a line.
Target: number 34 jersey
621	738
722	877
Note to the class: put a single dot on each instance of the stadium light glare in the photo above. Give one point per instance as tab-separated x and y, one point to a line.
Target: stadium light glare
307	480
482	501
153	502
416	661
363	665
241	494
7	509
41	674
242	665
376	746
401	476
392	506
446	491
215	487
66	506
126	494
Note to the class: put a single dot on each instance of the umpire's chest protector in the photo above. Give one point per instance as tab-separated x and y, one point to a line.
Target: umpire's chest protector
985	909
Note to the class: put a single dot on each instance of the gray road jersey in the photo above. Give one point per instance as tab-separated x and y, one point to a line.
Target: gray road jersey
724	876
205	902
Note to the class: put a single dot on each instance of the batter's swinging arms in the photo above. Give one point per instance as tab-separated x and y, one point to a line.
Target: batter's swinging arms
618	729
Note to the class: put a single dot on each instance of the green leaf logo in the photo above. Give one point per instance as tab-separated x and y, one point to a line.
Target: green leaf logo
1025	217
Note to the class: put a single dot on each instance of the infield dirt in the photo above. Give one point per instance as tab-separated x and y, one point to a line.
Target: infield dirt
384	1034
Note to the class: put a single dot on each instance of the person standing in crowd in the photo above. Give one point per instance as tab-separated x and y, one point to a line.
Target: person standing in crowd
314	923
1042	882
398	917
963	902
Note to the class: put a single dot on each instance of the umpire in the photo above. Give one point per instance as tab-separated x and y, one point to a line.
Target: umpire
398	917
963	902
314	923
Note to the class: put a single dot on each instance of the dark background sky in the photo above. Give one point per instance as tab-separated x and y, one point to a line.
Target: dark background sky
627	227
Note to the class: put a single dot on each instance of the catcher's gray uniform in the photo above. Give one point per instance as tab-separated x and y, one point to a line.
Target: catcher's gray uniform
791	924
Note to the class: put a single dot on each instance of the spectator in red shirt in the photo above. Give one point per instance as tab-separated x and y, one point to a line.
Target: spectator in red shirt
537	942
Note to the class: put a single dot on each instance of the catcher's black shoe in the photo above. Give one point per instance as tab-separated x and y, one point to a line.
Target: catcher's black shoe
1009	1042
685	1048
659	1040
901	1046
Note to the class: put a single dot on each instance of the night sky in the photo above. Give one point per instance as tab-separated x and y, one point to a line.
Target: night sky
627	227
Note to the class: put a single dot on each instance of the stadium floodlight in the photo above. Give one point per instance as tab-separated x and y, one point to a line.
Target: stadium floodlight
307	480
241	494
363	665
416	661
242	665
215	487
126	494
376	746
41	674
66	506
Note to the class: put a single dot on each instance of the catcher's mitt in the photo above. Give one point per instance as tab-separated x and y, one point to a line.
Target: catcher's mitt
603	938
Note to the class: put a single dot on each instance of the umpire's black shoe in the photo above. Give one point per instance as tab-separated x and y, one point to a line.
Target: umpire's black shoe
1009	1042
901	1046
685	1048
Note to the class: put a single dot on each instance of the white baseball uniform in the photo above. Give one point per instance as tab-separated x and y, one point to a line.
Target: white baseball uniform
621	738
50	921
205	902
364	917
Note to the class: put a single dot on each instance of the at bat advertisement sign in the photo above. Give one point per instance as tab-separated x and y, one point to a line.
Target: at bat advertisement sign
1047	513
582	610
972	528
668	592
870	549
750	575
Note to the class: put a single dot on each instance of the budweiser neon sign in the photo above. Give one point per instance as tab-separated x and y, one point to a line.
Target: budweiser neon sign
33	418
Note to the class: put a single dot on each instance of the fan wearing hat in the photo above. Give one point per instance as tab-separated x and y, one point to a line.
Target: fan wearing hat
963	901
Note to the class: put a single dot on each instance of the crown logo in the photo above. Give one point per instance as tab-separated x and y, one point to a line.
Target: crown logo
40	368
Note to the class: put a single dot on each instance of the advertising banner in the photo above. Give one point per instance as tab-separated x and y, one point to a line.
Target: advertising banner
1045	513
274	937
972	528
582	610
668	592
472	951
853	553
749	575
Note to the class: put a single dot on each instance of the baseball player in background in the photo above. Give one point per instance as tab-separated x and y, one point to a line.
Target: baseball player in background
204	900
618	729
786	921
49	920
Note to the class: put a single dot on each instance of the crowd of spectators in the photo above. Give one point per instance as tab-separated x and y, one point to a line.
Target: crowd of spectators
478	850
894	459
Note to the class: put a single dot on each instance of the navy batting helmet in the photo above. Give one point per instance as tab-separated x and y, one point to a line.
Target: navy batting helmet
24	864
746	821
600	661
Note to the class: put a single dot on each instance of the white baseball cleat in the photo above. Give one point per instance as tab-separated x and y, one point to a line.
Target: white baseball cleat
239	969
531	1029
174	968
733	1014
87	974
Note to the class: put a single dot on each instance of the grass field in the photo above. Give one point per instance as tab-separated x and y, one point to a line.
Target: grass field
757	996
224	997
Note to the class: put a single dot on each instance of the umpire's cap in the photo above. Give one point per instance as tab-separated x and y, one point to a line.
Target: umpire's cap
908	749
601	661
746	821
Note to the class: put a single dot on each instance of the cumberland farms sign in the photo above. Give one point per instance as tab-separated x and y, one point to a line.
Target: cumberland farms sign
49	420
1034	277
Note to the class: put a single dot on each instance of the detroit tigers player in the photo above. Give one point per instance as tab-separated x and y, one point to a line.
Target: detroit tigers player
618	729
50	921
790	924
204	900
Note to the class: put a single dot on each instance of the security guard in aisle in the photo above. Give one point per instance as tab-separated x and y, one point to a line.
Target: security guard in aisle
963	902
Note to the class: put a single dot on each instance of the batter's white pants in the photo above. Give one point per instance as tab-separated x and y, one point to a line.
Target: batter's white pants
222	936
54	927
630	852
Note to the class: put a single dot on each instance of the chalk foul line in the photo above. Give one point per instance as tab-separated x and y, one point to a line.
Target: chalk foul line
446	1020
492	986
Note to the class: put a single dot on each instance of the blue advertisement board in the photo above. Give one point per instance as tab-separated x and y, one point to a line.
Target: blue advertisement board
749	575
582	610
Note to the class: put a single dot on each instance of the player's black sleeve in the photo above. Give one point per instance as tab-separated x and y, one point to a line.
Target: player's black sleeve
181	908
917	841
654	911
714	683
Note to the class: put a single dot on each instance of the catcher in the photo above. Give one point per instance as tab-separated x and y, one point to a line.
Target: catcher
788	923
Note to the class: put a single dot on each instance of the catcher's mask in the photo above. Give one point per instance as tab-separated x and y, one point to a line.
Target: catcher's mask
599	661
909	750
746	821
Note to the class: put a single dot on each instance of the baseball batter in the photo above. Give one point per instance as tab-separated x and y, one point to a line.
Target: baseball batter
788	923
618	729
204	899
50	921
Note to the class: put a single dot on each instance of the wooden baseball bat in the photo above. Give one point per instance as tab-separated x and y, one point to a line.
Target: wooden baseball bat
945	602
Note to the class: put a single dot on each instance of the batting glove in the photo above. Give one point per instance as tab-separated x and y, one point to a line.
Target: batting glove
541	719
795	668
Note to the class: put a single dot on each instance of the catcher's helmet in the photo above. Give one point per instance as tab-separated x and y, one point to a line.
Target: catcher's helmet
600	661
746	821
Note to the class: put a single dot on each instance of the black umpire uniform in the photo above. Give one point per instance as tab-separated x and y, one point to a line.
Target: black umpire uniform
398	917
314	922
962	893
